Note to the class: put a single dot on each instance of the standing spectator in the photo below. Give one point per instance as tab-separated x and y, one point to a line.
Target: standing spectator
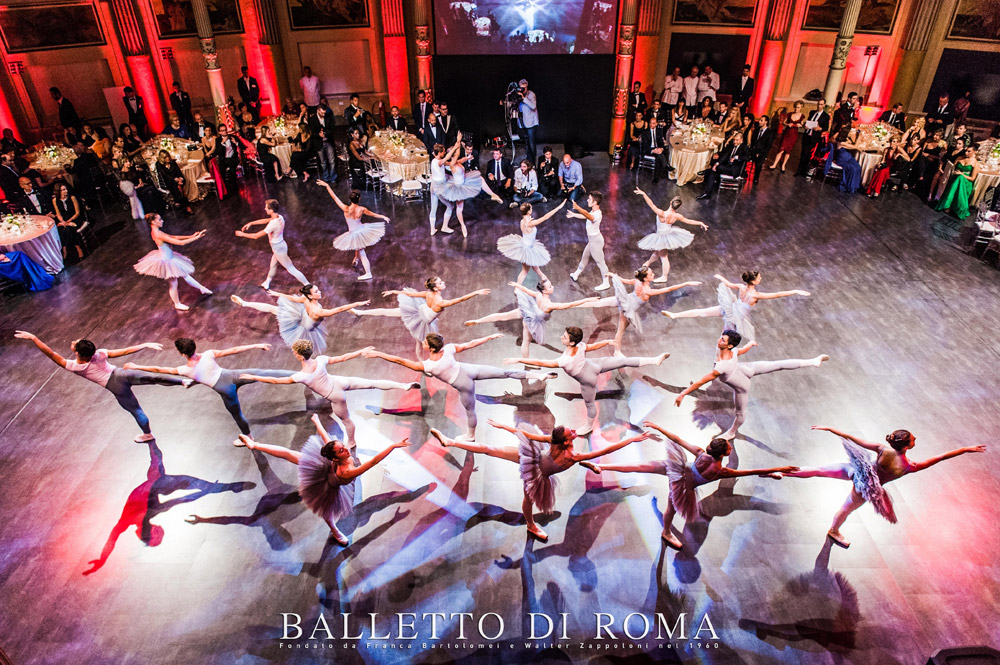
691	88
744	92
708	84
845	115
760	140
500	174
310	85
526	185
528	116
942	116
68	118
136	112
420	112
673	88
961	107
636	100
548	178
180	102
433	134
249	91
323	127
448	124
817	123
571	178
355	115
228	155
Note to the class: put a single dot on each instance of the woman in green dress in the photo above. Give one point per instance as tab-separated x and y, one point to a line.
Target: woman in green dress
959	192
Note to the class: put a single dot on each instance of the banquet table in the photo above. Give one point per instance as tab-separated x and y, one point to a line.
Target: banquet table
51	160
691	152
191	162
36	236
282	128
401	154
989	177
870	145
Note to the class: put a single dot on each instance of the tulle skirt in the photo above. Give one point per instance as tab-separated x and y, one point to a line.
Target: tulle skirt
538	487
669	237
532	315
683	490
319	486
735	313
531	253
453	191
628	303
156	264
366	235
866	482
294	324
418	318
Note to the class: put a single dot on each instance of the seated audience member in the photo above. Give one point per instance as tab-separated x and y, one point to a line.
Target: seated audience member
395	121
291	107
305	146
840	154
358	157
730	160
720	114
656	111
941	115
172	180
139	179
86	171
634	148
175	128
70	218
652	145
10	144
760	139
705	114
198	132
924	173
500	175
732	122
264	144
548	173
131	142
19	267
905	161
884	170
8	174
526	185
571	178
845	115
894	117
31	199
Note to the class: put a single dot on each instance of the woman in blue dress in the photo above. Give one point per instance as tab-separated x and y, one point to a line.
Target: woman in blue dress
850	180
19	267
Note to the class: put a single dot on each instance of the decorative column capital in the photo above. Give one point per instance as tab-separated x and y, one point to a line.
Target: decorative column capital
423	40
626	39
209	52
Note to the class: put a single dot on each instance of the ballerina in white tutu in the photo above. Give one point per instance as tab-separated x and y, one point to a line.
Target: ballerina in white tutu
359	234
735	308
595	240
439	177
419	310
629	303
525	248
274	229
326	473
163	263
300	316
462	185
868	476
667	235
685	478
534	309
540	457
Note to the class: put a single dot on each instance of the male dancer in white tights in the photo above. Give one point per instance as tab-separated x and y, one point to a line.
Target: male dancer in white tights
274	229
595	241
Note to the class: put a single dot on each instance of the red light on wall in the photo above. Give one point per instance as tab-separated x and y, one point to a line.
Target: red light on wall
144	81
869	114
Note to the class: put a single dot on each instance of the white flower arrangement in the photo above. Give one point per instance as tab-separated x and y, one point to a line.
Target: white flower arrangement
279	122
52	152
700	130
11	224
167	143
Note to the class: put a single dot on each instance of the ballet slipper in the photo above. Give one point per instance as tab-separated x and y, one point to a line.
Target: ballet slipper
602	286
663	356
671	540
469	324
354	263
144	438
237	300
414	386
447	229
436	433
821	359
266	286
433	230
366	276
342	540
838	538
181	307
538	534
667	314
574	275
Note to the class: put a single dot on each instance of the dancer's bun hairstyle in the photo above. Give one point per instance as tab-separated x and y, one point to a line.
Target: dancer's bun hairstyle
328	450
717	447
899	439
429	283
750	275
575	335
642	273
354	196
435	342
307	289
303	347
734	337
525	208
675	202
272	205
562	436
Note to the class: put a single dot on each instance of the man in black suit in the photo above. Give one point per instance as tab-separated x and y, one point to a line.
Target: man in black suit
31	199
940	117
198	129
229	158
761	139
651	144
86	170
845	115
323	126
433	134
469	150
729	161
395	120
420	112
636	101
449	124
744	91
180	102
500	175
894	117
136	112
355	115
67	113
812	137
655	112
249	91
10	144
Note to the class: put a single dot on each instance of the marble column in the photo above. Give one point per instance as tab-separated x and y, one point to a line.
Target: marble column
772	52
624	62
841	49
918	32
135	48
208	51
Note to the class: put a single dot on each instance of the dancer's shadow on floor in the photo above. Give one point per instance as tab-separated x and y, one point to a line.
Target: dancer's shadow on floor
144	503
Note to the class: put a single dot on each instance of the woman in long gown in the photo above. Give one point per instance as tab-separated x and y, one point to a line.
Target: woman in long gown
210	147
868	476
299	316
70	218
540	457
525	248
789	137
667	236
685	478
163	263
19	267
326	473
265	142
883	170
850	179
359	234
959	193
907	156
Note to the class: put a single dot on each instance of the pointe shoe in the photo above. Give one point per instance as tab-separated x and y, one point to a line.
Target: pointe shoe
822	359
838	538
602	286
414	386
237	300
265	285
469	324
671	541
663	356
447	229
660	280
433	230
341	540
465	232
144	438
181	307
667	314
206	292
538	534
366	276
574	275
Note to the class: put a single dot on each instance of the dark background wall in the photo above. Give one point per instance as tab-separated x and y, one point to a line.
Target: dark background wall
961	71
726	53
574	94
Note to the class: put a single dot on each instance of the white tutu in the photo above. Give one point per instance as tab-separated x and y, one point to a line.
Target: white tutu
418	318
365	235
866	482
320	488
164	263
628	303
683	490
735	313
459	191
537	469
667	236
530	253
295	324
532	315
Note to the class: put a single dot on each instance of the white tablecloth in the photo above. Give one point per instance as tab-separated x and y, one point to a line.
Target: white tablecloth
283	151
984	181
45	249
868	161
688	159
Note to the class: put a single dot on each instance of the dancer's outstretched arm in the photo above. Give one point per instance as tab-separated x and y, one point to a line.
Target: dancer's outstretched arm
668	289
780	294
691	222
243	233
408	364
476	342
340	204
412	294
582	457
532	362
920	466
726	472
536	222
366	211
181	240
575	303
600	344
151	368
348	356
42	346
870	445
746	347
623	279
528	435
279	380
581	212
725	281
467	296
355	471
232	351
522	287
690	447
711	376
649	202
323	313
278	294
128	350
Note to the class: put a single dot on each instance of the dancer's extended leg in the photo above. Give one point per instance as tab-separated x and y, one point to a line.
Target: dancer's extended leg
509	453
459	209
394	312
191	281
757	367
493	318
694	313
287	264
259	306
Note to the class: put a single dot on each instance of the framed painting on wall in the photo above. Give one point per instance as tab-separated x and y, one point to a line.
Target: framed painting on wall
175	18
316	14
977	20
715	12
876	16
40	27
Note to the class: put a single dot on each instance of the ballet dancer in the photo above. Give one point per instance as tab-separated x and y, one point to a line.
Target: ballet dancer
92	364
686	478
629	303
737	376
359	234
595	241
667	236
868	477
439	177
419	310
735	308
587	371
326	473
540	457
525	248
315	376
534	309
441	364
274	229
163	263
461	185
203	368
299	316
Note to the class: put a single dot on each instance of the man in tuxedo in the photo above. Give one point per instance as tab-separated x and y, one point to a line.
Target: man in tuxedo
811	137
355	115
32	200
136	112
651	143
761	140
636	101
729	161
323	126
894	117
249	91
67	113
180	102
199	126
656	112
420	112
940	117
433	134
719	117
845	115
395	120
229	158
469	150
448	124
691	88
744	91
500	175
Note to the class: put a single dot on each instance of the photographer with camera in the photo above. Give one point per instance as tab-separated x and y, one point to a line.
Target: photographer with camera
526	185
528	109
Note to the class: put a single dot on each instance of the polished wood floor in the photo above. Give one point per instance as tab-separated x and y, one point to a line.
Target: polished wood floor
195	548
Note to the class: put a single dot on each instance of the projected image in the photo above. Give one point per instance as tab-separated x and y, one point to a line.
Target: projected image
524	26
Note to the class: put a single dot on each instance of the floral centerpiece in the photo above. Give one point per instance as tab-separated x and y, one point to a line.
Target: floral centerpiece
700	130
167	143
52	152
11	225
397	139
279	122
